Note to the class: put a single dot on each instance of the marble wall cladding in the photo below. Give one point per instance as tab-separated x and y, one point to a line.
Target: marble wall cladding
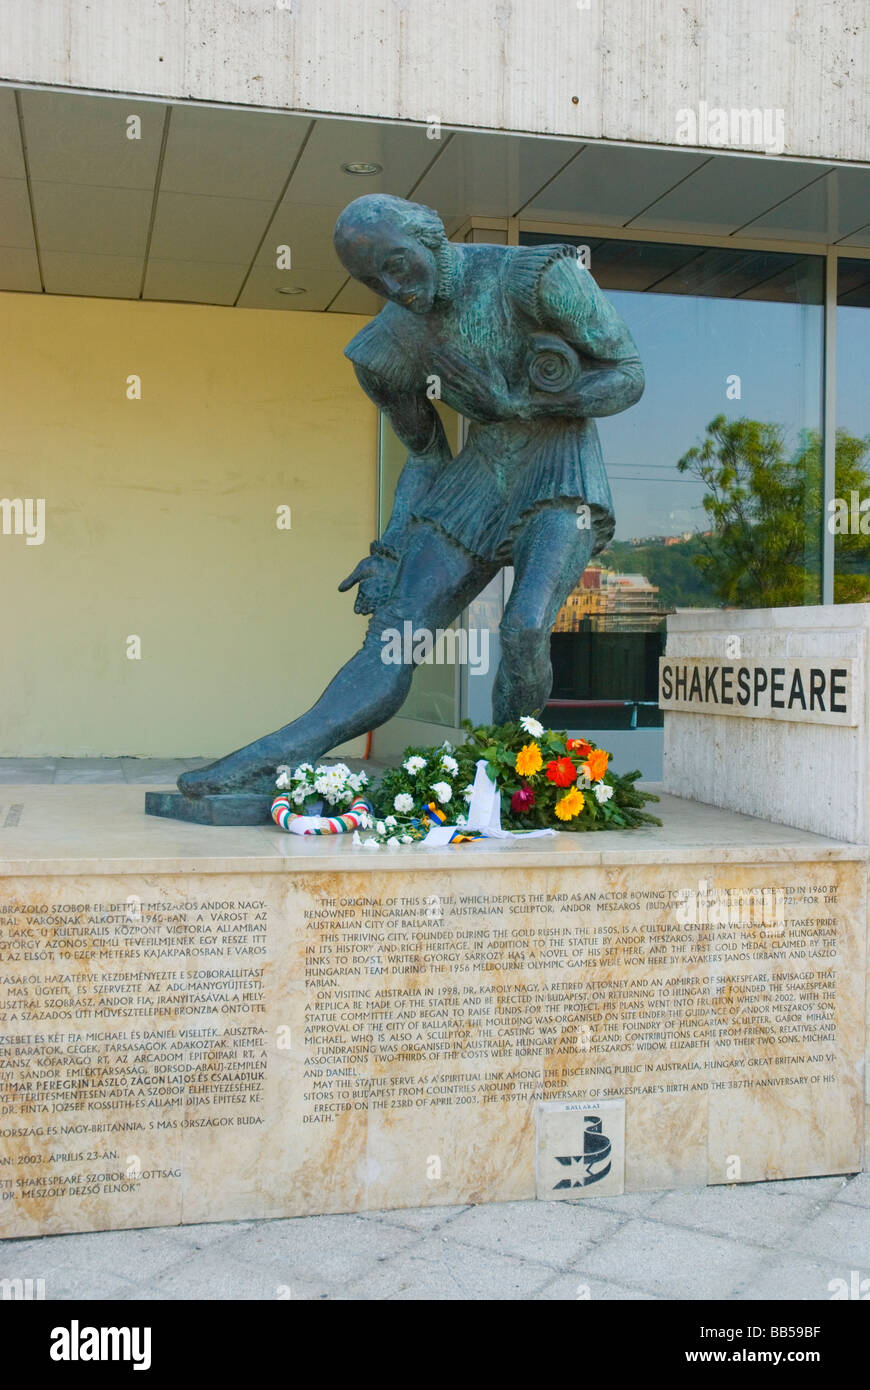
766	767
205	1047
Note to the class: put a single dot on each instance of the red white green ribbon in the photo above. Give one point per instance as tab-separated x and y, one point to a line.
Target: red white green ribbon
284	815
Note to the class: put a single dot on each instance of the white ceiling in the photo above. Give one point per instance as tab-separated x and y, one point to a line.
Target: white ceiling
196	208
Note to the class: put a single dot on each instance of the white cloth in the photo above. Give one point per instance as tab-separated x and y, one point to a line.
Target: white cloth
484	814
304	825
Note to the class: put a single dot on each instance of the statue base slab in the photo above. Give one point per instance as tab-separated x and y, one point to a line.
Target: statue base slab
206	1023
233	808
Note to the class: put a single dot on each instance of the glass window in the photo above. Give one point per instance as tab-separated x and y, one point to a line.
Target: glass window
848	522
716	473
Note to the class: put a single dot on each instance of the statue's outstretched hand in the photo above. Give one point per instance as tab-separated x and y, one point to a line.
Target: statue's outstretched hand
375	575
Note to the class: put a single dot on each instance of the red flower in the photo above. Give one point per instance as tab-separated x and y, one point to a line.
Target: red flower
562	771
579	745
523	799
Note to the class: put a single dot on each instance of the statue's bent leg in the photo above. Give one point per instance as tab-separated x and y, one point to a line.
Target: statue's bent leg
549	560
435	581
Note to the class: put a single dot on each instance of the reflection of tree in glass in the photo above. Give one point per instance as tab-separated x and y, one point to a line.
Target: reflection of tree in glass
766	513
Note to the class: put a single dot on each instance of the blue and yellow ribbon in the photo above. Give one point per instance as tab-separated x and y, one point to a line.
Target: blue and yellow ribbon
433	813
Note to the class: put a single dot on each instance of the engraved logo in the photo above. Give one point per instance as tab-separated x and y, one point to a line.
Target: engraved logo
595	1158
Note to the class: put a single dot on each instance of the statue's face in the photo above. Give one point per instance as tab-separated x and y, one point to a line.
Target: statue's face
393	264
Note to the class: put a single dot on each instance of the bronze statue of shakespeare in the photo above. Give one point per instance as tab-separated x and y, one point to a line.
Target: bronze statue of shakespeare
524	344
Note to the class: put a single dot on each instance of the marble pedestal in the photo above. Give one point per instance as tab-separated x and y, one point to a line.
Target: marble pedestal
217	1023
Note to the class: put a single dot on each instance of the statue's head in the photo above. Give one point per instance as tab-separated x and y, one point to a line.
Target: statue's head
394	247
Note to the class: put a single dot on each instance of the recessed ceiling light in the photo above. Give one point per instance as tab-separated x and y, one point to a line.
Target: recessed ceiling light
362	168
290	289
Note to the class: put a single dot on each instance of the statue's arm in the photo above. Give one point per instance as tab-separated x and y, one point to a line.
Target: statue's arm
418	425
571	305
412	416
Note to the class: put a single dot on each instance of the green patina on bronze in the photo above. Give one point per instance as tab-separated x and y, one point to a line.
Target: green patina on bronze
522	342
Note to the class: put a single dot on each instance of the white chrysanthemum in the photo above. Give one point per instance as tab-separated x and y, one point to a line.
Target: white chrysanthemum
468	793
532	726
302	772
390	821
336	783
414	764
407	839
380	827
442	791
365	820
336	770
450	765
603	792
404	804
370	844
394	840
299	795
282	781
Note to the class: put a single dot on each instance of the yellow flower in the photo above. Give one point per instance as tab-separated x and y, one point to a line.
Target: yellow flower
529	760
571	804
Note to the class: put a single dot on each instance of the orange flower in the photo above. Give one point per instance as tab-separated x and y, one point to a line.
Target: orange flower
579	745
529	760
571	804
596	764
561	771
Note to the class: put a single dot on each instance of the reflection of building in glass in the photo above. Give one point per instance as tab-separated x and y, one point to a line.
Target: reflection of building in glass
586	601
631	604
611	602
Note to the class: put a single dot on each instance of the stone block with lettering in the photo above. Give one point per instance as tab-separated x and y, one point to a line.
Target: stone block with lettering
259	1026
766	713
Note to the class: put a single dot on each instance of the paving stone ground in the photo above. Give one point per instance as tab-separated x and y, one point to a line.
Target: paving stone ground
776	1240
